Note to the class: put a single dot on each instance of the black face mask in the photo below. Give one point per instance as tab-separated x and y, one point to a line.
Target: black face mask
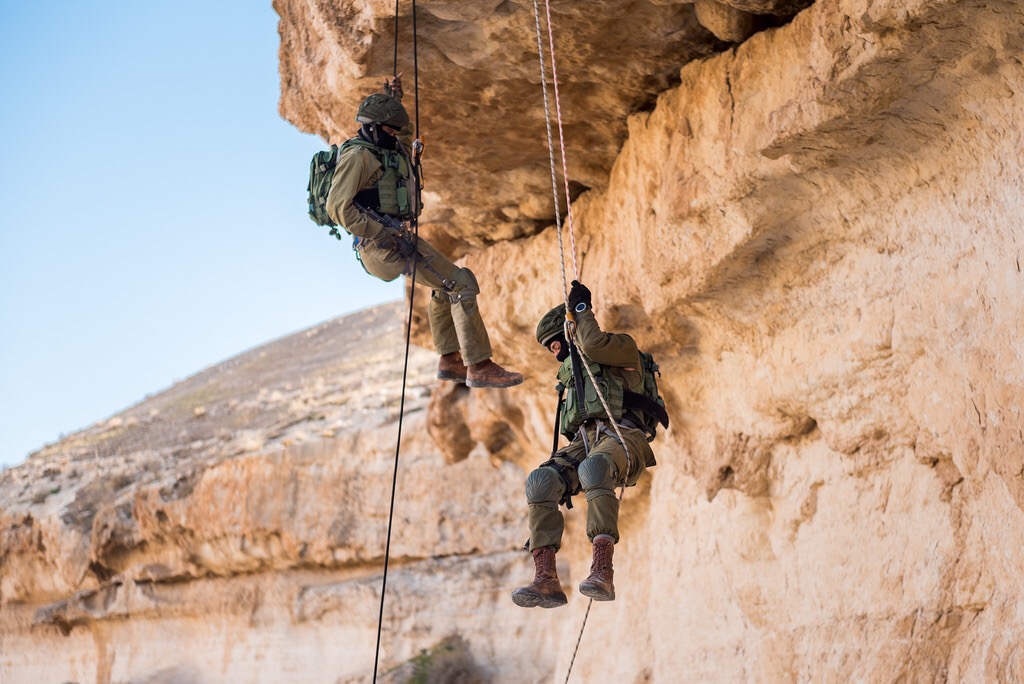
376	134
563	351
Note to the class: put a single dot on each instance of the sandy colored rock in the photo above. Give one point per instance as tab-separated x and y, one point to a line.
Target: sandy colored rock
818	234
725	21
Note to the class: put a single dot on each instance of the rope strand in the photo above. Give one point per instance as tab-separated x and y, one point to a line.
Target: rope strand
578	640
551	151
569	325
394	68
561	141
408	329
394	476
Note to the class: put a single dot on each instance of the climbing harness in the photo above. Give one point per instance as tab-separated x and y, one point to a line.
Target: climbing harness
414	222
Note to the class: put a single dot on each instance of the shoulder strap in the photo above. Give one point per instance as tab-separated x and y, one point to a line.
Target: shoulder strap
635	400
558	418
358	142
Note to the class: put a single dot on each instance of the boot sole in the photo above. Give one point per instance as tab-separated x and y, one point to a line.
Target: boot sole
528	599
448	375
597	593
481	384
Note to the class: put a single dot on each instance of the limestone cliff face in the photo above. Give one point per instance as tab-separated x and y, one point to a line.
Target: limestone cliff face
818	232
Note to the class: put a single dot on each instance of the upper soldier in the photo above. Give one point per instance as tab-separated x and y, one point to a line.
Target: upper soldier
375	175
595	460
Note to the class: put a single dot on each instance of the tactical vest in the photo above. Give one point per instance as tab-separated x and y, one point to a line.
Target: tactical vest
641	399
578	409
391	196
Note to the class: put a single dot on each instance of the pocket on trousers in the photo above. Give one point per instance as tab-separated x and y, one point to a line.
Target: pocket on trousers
384	264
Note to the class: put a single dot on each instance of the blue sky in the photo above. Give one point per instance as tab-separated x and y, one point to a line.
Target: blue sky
152	207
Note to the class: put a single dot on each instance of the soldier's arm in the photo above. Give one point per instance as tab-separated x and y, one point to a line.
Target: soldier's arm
609	349
355	171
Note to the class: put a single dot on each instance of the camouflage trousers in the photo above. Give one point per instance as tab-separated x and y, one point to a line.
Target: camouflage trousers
455	320
597	474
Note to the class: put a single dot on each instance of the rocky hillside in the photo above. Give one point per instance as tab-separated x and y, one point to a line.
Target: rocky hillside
812	216
232	528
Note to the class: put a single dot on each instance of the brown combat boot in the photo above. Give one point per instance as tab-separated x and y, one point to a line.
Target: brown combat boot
451	367
599	585
545	590
489	374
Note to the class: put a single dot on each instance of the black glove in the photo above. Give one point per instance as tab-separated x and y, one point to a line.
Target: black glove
579	294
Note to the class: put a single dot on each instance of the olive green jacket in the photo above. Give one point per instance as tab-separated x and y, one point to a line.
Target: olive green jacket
607	349
357	169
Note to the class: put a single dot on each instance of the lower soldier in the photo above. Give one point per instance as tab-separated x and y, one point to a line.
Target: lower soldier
372	192
595	461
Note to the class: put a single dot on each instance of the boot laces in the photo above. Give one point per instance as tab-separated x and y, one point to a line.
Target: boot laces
544	564
602	563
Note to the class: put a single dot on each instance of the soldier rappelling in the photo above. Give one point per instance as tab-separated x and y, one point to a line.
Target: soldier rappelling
600	456
370	188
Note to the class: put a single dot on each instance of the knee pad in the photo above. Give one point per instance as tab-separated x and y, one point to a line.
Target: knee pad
596	472
544	486
466	286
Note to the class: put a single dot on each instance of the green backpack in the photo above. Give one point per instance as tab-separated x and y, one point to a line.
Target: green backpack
391	194
321	173
649	402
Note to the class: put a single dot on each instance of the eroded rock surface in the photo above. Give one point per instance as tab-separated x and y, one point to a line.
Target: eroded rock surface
817	232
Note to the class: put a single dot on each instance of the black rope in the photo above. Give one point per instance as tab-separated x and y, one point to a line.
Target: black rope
408	337
415	72
394	477
394	68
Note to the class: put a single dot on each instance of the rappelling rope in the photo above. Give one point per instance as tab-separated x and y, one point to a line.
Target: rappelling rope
551	158
569	325
570	329
561	141
408	330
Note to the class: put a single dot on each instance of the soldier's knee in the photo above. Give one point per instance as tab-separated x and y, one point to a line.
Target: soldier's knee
597	472
466	286
543	485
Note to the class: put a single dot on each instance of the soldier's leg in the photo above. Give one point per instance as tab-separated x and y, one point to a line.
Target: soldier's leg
599	475
442	327
453	313
545	488
602	473
604	469
469	324
388	264
385	264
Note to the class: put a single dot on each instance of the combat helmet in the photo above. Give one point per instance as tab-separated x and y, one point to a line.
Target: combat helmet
551	325
383	109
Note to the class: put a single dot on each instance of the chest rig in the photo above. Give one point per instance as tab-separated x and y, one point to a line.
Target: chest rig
391	195
580	408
